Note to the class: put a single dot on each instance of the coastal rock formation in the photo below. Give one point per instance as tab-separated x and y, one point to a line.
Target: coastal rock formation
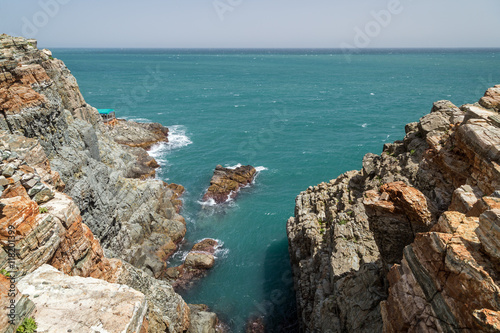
255	326
75	304
408	242
203	321
134	134
226	182
447	280
198	261
43	111
52	233
45	125
178	191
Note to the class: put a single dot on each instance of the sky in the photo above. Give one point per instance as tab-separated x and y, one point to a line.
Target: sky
254	23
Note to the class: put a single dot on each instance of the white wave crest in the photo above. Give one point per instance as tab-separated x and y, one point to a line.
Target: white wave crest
232	167
209	203
177	137
219	252
137	119
158	152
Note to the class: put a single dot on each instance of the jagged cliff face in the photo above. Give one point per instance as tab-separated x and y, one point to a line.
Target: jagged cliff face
134	220
48	229
73	191
409	243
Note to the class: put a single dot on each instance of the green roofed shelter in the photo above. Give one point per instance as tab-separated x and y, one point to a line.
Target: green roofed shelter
107	115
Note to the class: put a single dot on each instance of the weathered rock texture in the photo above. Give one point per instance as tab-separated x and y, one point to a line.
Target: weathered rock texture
198	261
134	134
226	182
367	250
42	111
76	304
47	229
46	125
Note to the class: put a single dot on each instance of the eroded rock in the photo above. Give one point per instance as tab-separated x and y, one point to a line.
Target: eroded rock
75	304
347	233
226	182
198	261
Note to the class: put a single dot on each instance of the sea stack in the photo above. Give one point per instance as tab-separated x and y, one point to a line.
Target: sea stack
226	182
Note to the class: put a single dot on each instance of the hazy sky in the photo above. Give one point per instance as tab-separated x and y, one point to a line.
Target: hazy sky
254	23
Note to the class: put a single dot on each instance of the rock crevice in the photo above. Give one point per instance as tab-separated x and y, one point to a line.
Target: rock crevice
405	238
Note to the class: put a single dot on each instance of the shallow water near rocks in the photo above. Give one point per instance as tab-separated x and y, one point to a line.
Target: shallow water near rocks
303	116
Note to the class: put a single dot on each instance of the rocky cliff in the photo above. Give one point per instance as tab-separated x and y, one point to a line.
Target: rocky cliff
409	243
134	220
75	193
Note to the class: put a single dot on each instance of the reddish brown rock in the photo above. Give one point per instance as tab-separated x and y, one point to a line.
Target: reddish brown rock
443	283
16	89
198	261
225	182
178	191
396	213
207	245
411	201
15	306
491	99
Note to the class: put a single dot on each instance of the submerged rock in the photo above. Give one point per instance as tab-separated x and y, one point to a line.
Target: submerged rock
226	182
255	325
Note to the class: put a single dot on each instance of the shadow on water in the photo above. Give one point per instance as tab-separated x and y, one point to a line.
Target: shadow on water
278	310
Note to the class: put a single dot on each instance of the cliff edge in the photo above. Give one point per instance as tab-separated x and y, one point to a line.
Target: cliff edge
74	194
410	242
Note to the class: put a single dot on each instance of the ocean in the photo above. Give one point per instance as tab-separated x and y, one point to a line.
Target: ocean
300	116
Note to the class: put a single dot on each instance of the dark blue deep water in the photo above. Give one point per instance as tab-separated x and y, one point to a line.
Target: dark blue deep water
302	116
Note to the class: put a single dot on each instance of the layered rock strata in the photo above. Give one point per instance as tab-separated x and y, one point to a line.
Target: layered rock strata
367	251
41	104
40	225
45	125
226	182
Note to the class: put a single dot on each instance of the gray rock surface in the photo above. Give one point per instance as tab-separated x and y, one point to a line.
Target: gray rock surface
45	125
135	220
348	232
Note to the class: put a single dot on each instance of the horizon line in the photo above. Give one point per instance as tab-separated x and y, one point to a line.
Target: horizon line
278	48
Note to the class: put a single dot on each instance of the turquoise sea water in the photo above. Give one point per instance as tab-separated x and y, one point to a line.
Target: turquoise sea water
302	116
